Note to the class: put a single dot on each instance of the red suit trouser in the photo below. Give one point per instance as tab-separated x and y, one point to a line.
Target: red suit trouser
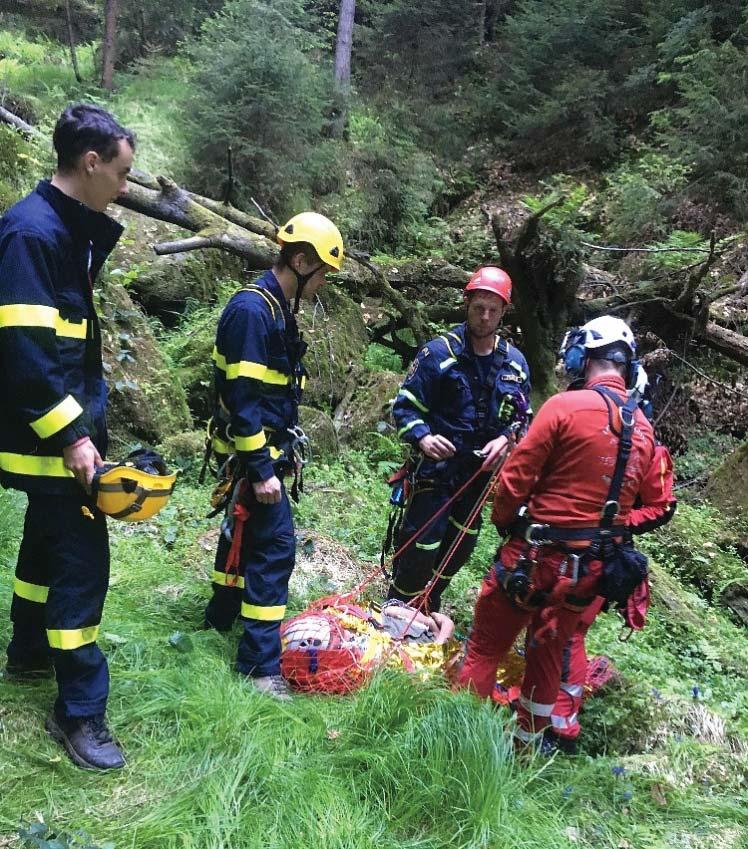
498	621
574	663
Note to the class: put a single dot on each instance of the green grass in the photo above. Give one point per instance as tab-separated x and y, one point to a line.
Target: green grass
400	764
150	99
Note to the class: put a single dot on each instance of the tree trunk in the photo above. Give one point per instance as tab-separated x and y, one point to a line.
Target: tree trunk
727	342
482	11
71	41
489	20
343	48
545	283
109	45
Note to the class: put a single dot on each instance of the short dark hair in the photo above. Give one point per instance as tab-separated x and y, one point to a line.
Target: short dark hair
84	127
290	249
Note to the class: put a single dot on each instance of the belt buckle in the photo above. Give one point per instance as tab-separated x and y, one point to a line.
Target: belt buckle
574	558
531	529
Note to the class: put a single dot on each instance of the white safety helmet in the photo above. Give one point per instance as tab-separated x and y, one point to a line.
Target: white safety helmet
604	338
608	330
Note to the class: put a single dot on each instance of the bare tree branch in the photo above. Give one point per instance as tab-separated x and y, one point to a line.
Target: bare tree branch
730	389
613	249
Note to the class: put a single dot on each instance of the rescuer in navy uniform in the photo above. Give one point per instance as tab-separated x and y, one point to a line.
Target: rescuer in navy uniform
53	428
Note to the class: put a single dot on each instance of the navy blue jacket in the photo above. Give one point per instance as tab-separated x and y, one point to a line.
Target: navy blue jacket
51	383
443	393
259	377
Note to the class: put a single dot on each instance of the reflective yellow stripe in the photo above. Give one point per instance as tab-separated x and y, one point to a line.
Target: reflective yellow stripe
245	368
74	639
405	592
449	347
258	372
72	329
445	578
31	592
30	464
409	426
471	531
28	315
228	448
57	418
250	443
412	398
222	447
265	614
37	315
228	580
428	546
302	382
268	298
663	472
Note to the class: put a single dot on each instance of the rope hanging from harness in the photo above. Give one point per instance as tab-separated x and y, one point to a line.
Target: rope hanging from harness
239	513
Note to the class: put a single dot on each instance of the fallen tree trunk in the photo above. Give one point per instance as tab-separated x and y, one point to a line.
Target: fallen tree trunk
549	282
726	342
14	121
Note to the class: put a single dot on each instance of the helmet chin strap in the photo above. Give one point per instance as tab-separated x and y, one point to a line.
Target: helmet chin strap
301	281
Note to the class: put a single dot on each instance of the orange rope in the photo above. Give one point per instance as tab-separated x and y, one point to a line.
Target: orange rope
359	588
474	513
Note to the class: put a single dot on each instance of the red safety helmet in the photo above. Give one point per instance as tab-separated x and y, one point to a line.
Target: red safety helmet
491	279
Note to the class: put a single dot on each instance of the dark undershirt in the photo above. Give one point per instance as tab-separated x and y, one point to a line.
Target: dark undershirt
483	367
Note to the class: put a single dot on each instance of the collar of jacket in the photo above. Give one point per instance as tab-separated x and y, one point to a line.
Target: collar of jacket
270	282
80	220
612	381
459	340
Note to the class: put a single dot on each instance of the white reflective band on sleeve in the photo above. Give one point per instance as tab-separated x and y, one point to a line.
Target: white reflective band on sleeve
518	368
413	400
574	690
536	708
445	364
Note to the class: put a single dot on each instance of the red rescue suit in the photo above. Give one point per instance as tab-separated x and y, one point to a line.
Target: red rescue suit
655	507
562	471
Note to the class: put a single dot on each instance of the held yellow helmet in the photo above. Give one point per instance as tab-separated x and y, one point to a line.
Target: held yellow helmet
135	489
319	232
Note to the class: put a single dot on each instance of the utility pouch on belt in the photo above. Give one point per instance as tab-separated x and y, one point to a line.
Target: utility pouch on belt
624	569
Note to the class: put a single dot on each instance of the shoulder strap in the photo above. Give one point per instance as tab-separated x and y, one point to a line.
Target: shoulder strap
627	412
270	300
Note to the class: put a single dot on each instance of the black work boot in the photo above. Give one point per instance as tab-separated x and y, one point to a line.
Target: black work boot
30	670
87	740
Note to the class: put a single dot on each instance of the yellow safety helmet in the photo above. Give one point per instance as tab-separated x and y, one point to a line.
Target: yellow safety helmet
135	489
319	232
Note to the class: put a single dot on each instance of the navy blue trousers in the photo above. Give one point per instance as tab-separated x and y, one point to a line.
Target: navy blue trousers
416	566
259	592
61	582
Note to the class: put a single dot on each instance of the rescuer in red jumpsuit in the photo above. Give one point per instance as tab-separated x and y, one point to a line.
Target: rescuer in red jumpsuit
561	472
654	508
